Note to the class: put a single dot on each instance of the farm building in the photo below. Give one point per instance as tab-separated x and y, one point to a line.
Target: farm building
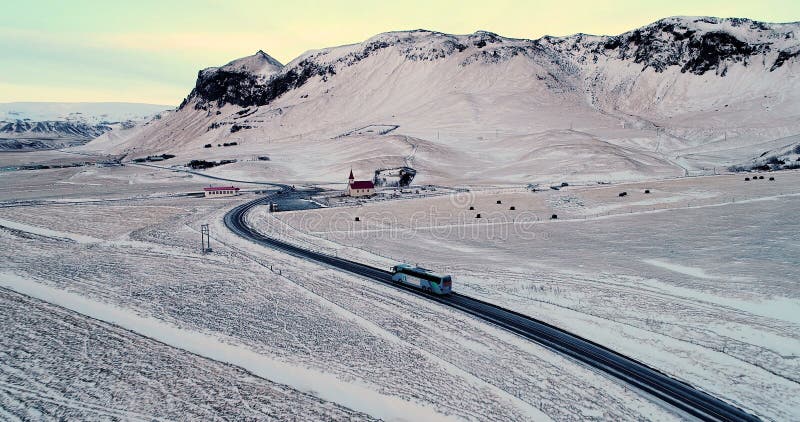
220	191
359	187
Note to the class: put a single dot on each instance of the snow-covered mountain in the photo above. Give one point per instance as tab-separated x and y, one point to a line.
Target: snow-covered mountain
65	129
27	135
89	113
43	125
684	94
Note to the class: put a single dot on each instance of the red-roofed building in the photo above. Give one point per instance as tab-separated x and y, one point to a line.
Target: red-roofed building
359	187
220	191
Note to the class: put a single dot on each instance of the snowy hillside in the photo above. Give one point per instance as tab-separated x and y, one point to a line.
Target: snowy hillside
32	126
682	95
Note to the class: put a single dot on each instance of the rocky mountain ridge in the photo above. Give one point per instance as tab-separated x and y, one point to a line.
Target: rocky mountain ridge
693	45
683	95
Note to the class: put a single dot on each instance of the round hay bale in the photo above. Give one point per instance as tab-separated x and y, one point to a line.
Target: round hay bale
477	216
512	208
499	201
554	217
358	219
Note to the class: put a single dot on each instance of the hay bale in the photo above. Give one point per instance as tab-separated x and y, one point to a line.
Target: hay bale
472	208
358	219
647	191
499	201
554	217
621	194
772	178
477	216
512	208
746	179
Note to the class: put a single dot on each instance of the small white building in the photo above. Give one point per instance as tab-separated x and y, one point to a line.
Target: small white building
220	191
359	187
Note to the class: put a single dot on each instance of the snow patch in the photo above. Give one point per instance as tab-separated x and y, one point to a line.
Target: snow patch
47	232
682	269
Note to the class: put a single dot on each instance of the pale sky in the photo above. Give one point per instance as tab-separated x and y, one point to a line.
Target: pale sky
150	50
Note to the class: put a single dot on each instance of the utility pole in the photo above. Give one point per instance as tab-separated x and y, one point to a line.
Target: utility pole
205	239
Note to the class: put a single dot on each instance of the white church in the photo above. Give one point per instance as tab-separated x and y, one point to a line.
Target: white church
358	188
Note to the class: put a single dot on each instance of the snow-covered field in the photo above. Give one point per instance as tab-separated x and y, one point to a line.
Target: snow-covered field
59	364
250	325
575	151
698	277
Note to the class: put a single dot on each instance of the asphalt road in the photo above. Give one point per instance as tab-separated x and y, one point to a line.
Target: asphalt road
669	390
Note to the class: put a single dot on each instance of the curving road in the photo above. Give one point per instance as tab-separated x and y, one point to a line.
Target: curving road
636	374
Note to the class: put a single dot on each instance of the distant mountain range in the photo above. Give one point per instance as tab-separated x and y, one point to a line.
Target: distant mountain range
43	125
683	95
90	113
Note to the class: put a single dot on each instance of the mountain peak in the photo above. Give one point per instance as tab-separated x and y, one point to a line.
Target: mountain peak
259	64
267	58
740	26
482	32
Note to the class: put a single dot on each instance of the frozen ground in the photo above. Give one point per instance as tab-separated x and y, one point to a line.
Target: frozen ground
92	183
698	278
57	364
297	329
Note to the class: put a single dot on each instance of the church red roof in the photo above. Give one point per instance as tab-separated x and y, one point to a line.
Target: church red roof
216	188
362	184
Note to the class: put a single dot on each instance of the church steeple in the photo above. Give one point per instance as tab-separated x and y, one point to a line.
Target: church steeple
351	178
